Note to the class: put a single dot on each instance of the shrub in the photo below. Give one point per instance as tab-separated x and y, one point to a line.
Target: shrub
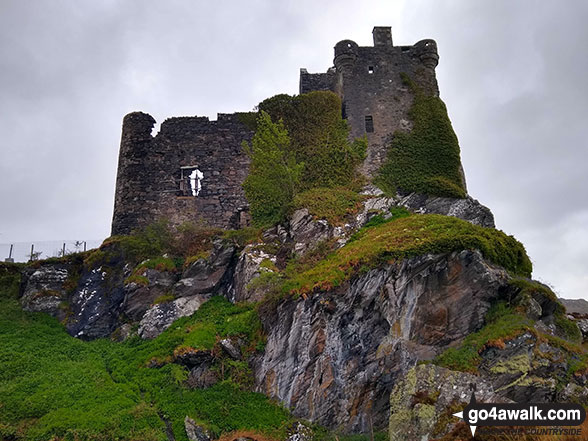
301	143
319	137
274	174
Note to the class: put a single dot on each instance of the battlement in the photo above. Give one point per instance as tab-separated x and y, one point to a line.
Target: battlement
192	170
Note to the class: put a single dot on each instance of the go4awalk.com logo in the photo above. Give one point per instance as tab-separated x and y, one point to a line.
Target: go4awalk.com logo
529	414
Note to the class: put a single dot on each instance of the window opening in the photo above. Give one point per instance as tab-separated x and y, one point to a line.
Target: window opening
370	69
369	124
190	181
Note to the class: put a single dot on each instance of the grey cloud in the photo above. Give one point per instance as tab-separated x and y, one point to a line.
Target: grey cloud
511	73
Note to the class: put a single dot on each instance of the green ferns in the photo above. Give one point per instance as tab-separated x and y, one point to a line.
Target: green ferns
425	160
300	144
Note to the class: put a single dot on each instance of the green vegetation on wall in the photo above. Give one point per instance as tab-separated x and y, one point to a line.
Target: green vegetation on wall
427	159
319	136
300	144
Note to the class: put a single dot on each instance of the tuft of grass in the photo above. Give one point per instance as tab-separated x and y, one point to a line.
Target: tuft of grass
502	323
159	264
164	298
406	237
333	204
567	328
138	279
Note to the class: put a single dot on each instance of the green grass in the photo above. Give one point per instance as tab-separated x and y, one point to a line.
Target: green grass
427	159
501	323
406	237
332	204
53	385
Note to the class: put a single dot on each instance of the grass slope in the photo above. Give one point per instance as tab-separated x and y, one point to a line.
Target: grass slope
53	385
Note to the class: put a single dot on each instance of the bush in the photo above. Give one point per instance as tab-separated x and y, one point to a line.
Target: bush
319	137
301	144
427	159
274	174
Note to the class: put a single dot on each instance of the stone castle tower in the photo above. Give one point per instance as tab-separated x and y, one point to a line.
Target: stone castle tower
192	170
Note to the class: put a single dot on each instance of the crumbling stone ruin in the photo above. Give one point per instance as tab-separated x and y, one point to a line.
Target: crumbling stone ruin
192	170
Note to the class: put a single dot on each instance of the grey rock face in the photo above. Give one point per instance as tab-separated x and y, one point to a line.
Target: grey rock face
305	232
194	431
248	268
232	349
300	432
207	276
138	298
161	316
425	394
334	357
96	305
44	291
467	209
583	325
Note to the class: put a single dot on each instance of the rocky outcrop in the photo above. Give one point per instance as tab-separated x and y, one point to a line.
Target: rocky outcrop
96	304
208	276
334	357
423	401
194	432
468	209
44	289
96	299
304	231
160	317
139	297
250	266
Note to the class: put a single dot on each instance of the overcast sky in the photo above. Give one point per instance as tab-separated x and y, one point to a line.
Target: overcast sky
512	73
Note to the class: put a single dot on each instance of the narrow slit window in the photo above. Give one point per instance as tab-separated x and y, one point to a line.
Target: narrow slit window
369	124
370	69
343	110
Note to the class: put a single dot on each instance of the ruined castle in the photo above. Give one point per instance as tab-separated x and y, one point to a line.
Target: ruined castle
192	170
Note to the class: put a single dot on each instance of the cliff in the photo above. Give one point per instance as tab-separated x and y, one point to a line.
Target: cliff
337	349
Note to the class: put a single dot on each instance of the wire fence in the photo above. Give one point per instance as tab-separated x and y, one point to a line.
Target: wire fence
25	251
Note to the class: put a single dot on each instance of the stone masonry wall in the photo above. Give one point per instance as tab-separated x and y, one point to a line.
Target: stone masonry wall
149	185
369	83
149	181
